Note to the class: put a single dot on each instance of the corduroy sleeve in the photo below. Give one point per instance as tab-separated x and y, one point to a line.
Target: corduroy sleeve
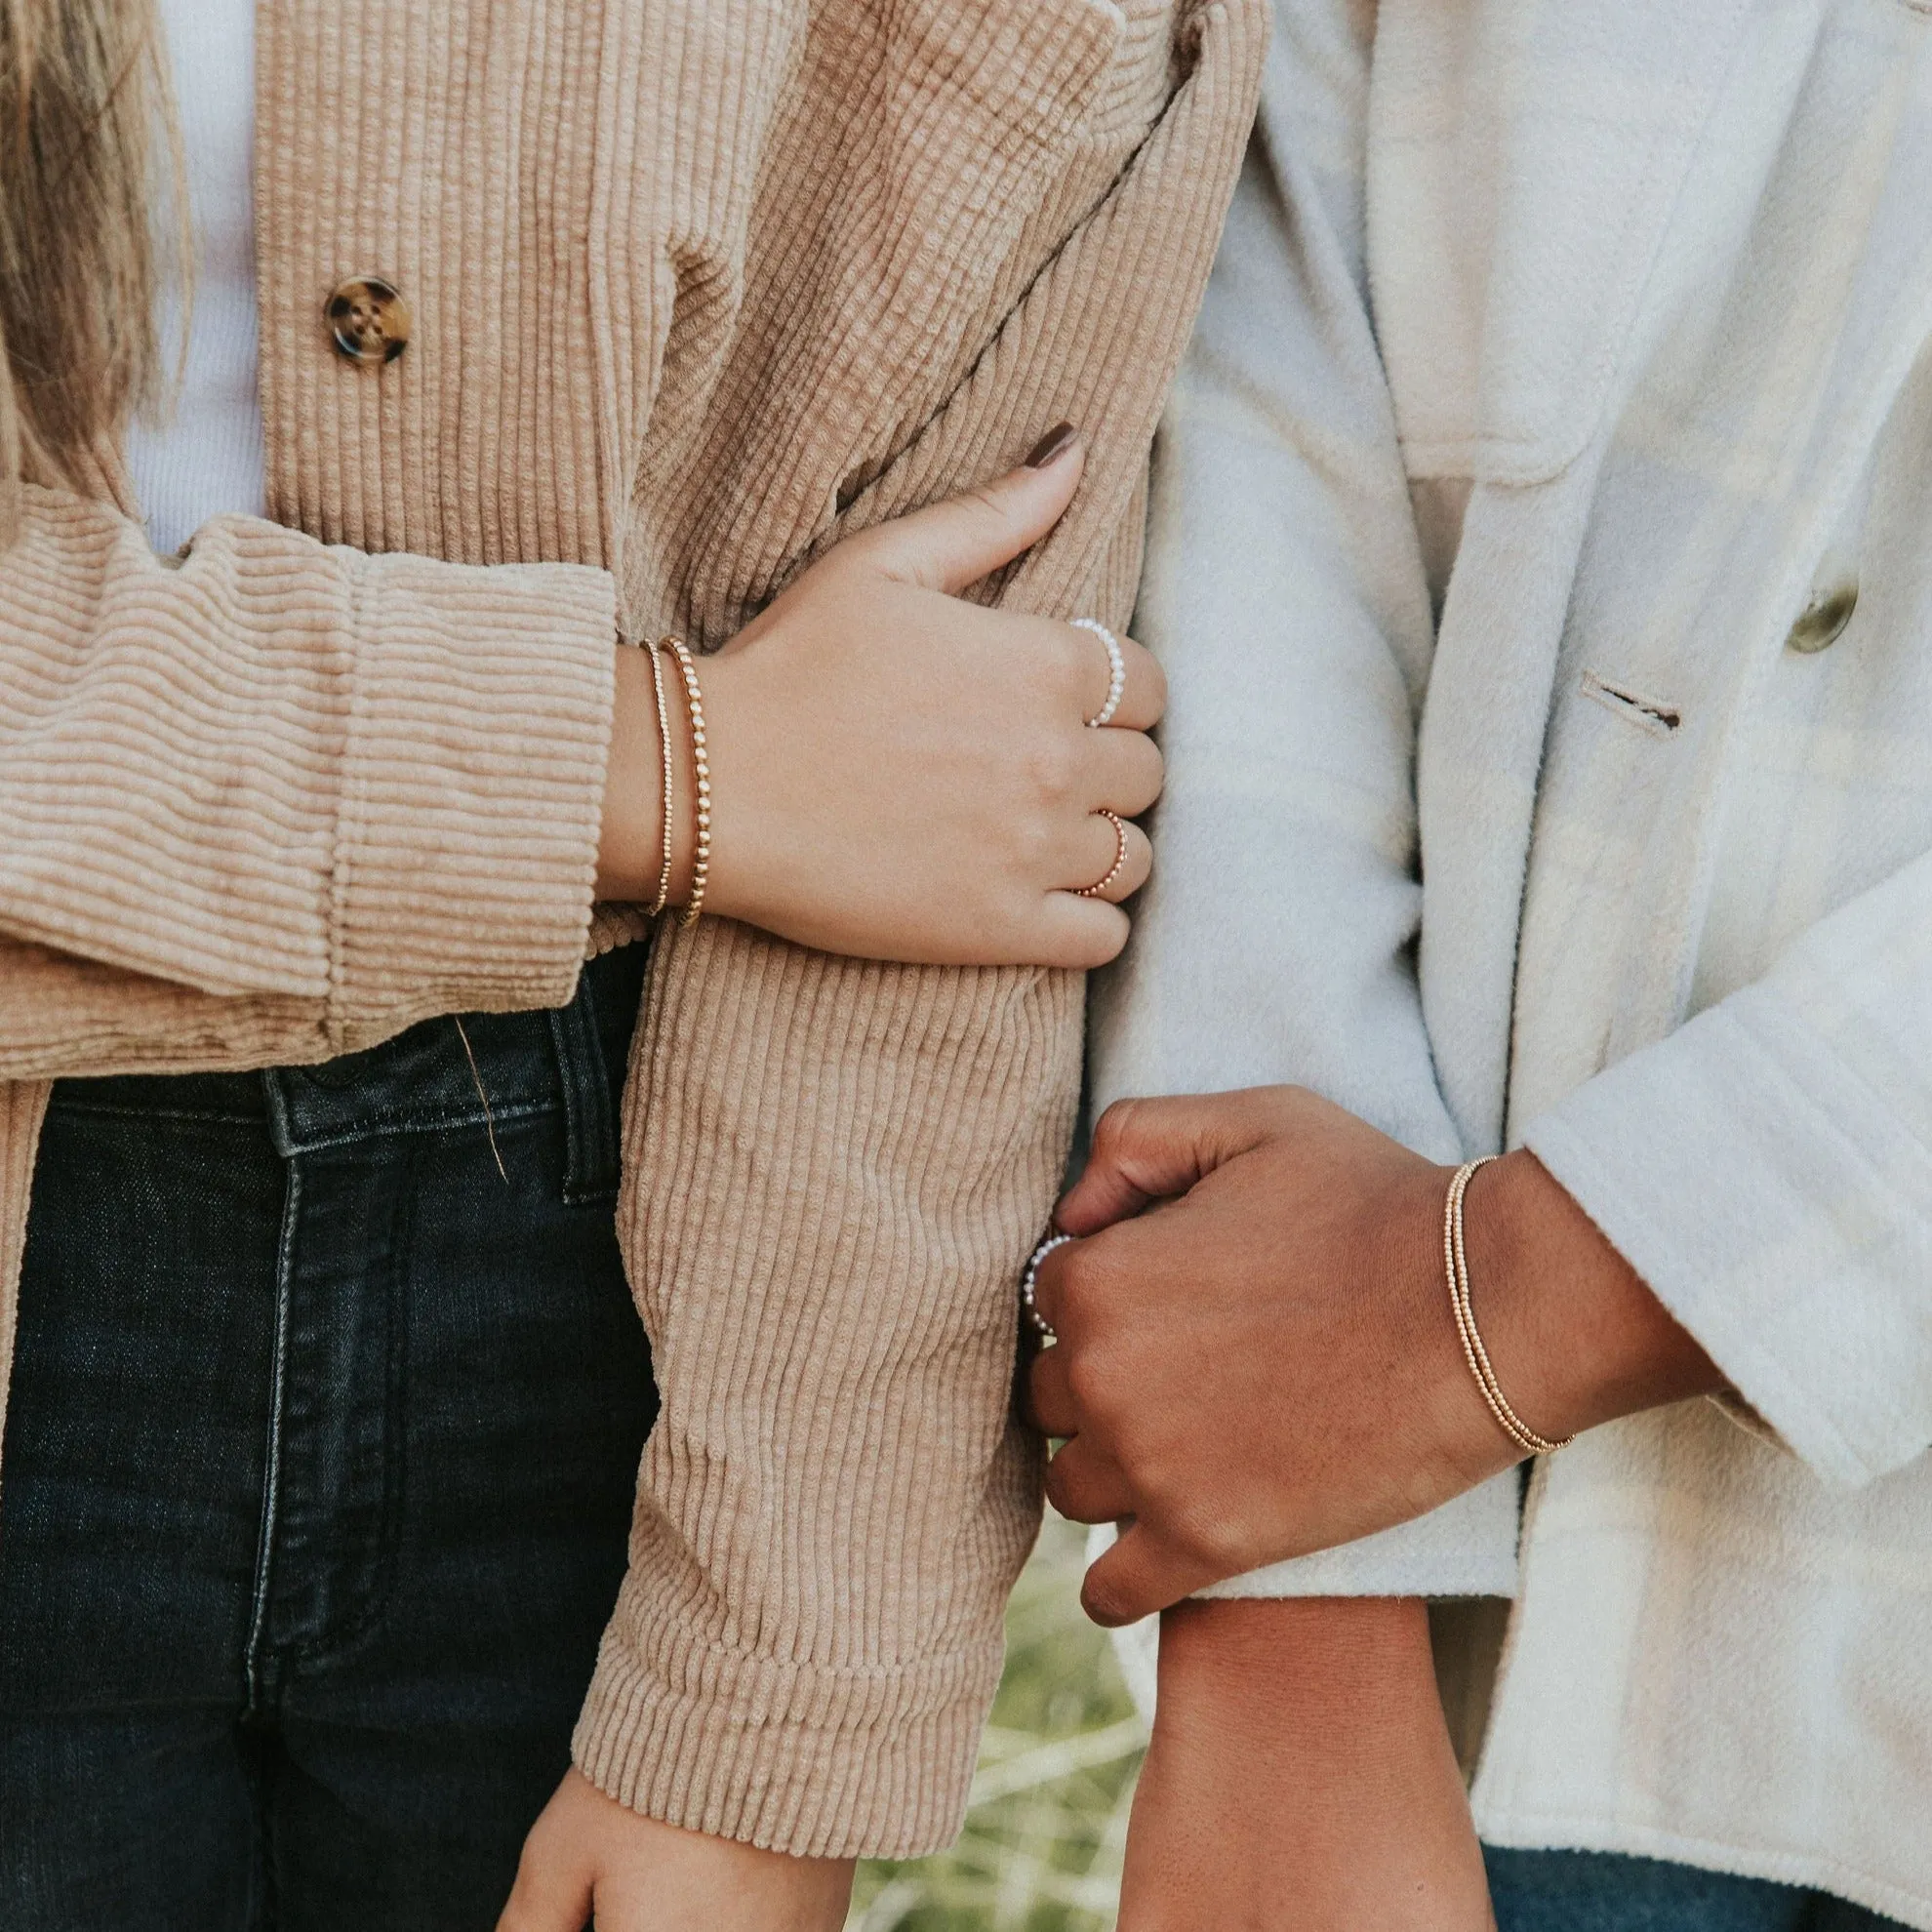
282	800
835	1169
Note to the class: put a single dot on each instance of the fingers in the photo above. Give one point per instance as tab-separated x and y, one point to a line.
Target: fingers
955	543
1124	770
1145	1151
1136	1577
1086	1486
1050	1405
1079	934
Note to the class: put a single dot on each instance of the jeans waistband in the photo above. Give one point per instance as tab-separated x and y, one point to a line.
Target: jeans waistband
445	1073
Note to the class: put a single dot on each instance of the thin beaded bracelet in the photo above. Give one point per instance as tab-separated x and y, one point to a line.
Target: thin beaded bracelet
663	899
1456	1264
701	860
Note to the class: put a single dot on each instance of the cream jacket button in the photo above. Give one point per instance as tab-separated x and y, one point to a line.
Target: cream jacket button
369	321
1821	622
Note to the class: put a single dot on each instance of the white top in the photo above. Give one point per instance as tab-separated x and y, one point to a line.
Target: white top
1646	285
207	457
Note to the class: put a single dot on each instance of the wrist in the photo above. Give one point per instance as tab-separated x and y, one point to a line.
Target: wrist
1338	1676
1328	1656
1301	1772
1575	1336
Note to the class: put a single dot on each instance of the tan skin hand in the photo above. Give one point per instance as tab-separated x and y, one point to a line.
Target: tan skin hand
900	774
1301	1777
589	1860
1268	1365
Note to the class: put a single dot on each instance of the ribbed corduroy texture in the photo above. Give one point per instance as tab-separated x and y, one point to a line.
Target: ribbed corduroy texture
698	288
815	1677
835	1494
312	795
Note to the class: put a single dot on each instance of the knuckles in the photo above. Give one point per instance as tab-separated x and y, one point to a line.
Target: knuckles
1208	1545
1051	770
1063	1490
1089	1390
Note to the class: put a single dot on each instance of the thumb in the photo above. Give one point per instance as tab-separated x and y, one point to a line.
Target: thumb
1136	1577
547	1902
1147	1150
962	539
555	1880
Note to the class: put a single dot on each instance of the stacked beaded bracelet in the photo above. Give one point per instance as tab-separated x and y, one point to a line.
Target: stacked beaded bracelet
700	862
1456	1264
663	899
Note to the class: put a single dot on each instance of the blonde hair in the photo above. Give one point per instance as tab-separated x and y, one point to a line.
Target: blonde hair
85	133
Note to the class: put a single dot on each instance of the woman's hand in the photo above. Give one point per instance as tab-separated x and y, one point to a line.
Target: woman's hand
1301	1775
587	1856
1268	1365
900	773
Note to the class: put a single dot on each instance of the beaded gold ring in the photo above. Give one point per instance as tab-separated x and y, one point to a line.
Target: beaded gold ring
1114	872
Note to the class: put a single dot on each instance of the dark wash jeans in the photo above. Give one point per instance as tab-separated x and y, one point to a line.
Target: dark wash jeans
318	1479
1567	1891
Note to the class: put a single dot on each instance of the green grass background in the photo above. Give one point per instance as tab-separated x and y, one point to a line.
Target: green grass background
1044	1841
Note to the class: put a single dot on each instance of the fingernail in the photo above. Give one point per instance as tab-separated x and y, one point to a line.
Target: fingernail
1052	446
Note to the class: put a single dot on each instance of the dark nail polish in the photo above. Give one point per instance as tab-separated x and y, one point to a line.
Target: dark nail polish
1053	445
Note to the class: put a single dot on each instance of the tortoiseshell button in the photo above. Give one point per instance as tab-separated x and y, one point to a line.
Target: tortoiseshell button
369	321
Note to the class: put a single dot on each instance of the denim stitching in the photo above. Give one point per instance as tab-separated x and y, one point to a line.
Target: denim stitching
271	1479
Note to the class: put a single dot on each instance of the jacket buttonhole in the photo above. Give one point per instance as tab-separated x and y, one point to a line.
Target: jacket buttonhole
1649	714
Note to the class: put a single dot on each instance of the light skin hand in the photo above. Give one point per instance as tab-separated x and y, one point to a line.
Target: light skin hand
589	1855
1301	1776
1268	1365
899	773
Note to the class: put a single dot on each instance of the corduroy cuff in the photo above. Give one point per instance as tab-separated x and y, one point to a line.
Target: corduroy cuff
820	1762
472	787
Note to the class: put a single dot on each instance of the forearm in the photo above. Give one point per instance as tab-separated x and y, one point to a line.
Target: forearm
1301	1774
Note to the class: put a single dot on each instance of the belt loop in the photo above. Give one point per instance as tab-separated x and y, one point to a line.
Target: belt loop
591	1170
282	1129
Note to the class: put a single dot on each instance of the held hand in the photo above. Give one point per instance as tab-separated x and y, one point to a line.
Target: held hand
589	1855
1268	1365
900	773
1301	1775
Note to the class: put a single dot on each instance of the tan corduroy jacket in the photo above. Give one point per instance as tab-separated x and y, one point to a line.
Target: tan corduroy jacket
698	285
